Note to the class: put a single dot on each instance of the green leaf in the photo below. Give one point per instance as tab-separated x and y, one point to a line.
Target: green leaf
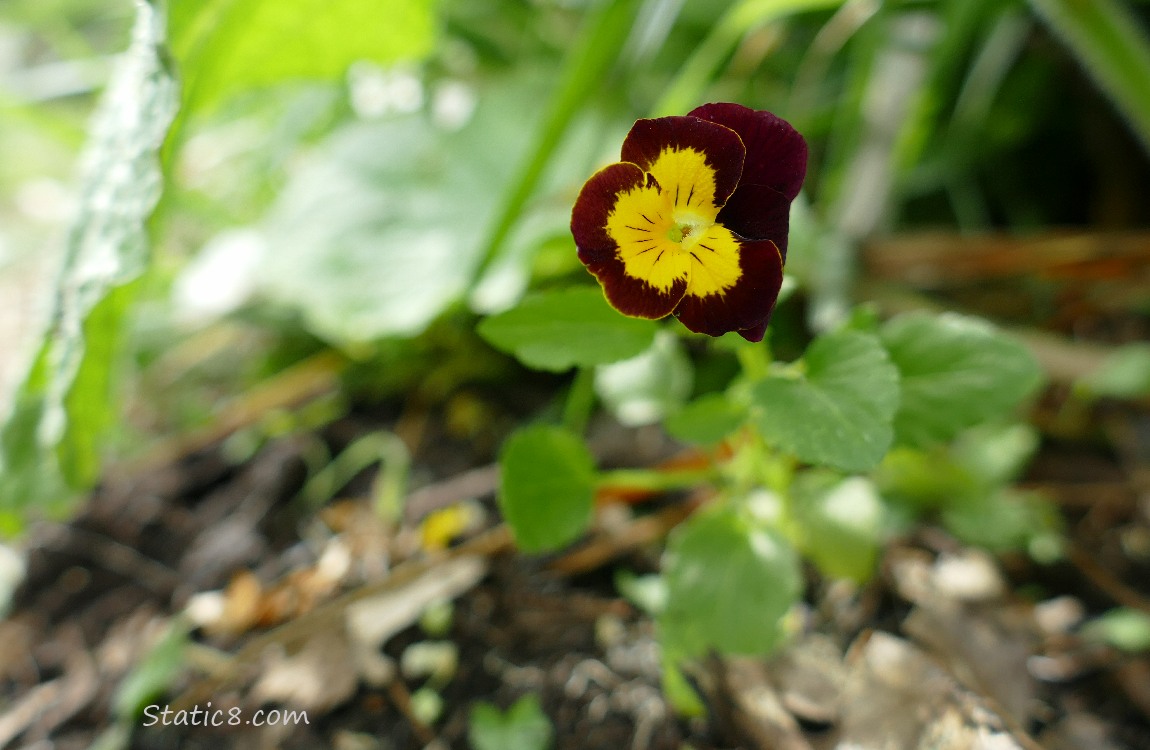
88	403
838	413
841	522
1112	45
29	476
547	487
996	454
982	462
568	328
706	420
1001	520
153	675
380	228
1124	374
956	372
523	727
729	586
643	389
924	478
66	402
229	46
1124	628
647	592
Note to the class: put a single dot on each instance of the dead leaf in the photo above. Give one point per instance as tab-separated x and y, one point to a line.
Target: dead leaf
896	697
373	620
318	677
809	677
744	704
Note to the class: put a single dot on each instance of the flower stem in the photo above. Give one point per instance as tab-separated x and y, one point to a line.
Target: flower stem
580	400
654	480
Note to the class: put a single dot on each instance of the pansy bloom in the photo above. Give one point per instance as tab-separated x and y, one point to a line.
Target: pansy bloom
693	219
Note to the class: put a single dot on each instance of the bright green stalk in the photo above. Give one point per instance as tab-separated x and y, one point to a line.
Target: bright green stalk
652	480
1111	45
597	49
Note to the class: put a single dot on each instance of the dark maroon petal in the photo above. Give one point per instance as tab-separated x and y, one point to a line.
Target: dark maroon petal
746	305
722	147
595	203
758	212
776	153
755	333
630	295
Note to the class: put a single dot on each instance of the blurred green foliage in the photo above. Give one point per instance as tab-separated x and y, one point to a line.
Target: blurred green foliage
523	726
372	177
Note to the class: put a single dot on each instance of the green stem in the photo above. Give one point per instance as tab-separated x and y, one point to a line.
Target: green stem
653	480
779	471
580	400
755	361
384	448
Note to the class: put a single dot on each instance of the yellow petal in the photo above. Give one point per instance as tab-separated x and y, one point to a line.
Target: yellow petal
714	264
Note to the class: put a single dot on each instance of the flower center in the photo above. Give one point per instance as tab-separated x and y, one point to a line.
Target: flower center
685	229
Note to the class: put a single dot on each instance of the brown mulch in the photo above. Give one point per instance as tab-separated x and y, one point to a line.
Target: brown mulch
100	588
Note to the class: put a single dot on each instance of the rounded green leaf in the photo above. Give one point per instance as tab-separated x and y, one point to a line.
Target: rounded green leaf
547	487
956	372
573	327
996	454
837	413
729	585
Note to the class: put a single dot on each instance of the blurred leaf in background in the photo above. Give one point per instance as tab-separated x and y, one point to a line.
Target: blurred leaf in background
69	400
226	47
646	388
384	226
729	586
547	487
842	523
65	404
955	372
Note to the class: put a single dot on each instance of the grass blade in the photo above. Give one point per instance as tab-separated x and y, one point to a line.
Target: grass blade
599	46
1110	43
684	92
